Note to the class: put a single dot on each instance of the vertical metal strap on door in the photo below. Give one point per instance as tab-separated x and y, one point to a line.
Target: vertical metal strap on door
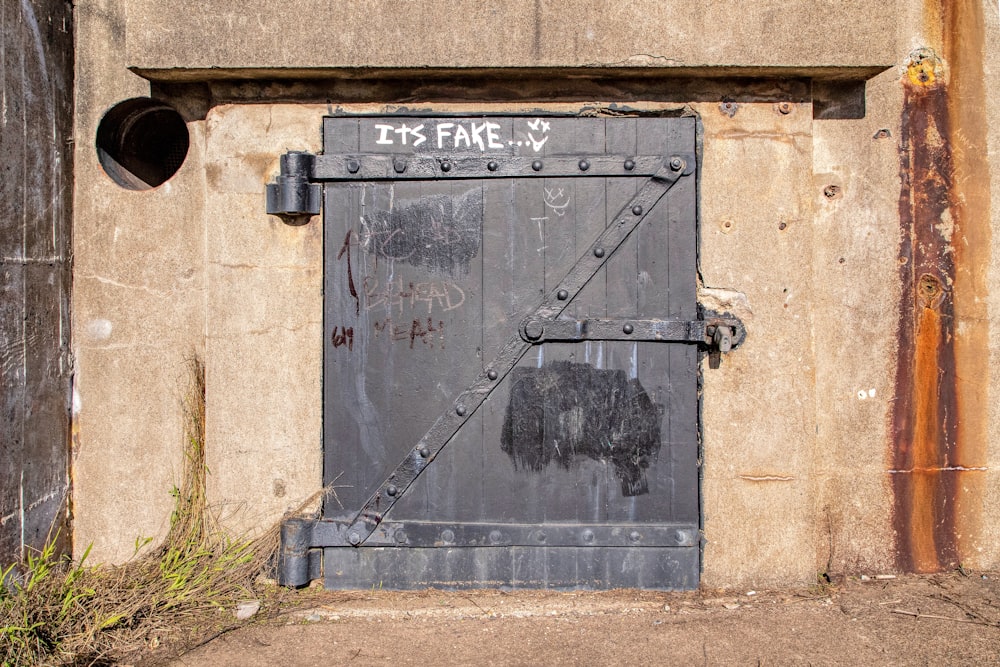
552	305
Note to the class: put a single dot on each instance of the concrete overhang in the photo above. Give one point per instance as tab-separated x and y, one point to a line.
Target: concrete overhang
170	41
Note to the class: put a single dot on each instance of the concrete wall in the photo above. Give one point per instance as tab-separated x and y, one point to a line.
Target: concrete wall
800	425
140	271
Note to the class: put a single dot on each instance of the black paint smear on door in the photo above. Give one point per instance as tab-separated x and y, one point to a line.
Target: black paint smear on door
566	410
441	232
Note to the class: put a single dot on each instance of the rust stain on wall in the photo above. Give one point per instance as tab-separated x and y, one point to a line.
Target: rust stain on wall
939	429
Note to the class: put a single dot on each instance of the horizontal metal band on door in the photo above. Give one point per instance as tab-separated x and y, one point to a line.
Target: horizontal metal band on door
448	534
380	167
560	568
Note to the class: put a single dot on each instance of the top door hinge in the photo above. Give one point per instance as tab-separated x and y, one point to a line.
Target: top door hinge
293	196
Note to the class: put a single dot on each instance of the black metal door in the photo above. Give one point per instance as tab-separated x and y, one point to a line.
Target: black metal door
510	384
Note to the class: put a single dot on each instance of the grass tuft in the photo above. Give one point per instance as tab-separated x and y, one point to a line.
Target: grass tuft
56	611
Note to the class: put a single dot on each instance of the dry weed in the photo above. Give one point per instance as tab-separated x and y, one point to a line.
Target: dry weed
59	612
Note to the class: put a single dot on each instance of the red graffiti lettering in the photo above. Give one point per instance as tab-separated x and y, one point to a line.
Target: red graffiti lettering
343	336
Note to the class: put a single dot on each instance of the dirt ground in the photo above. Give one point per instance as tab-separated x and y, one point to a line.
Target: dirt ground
948	619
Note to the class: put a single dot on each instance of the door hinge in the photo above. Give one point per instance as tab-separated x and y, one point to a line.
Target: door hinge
293	196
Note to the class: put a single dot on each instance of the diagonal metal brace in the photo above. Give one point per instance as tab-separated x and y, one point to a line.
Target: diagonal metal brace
447	425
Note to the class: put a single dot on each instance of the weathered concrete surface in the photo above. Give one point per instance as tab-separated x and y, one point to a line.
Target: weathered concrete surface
985	547
855	287
264	324
172	36
759	408
138	314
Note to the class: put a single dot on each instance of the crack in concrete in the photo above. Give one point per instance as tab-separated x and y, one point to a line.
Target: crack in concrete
939	469
641	59
261	332
267	267
162	294
767	478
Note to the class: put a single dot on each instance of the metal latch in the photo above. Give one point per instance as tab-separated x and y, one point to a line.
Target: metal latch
717	333
721	336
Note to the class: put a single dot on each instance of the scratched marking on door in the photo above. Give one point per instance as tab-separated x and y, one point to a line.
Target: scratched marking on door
440	232
425	330
557	199
415	297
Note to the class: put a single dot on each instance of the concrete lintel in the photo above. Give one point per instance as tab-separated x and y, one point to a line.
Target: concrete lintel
175	38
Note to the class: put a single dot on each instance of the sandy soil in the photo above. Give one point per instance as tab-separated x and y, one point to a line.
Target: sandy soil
951	619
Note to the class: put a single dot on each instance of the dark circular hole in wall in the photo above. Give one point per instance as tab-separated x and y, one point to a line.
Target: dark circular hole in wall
141	143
